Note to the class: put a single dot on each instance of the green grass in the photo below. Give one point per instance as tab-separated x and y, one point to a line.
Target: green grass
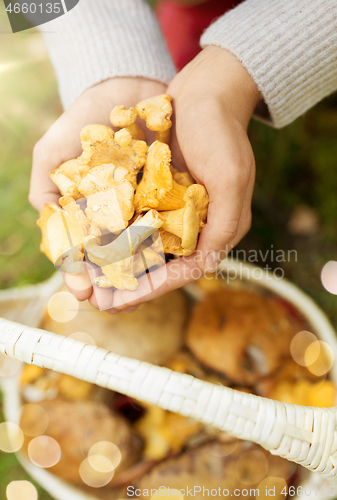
295	166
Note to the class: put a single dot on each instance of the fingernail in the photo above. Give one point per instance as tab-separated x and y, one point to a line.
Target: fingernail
211	262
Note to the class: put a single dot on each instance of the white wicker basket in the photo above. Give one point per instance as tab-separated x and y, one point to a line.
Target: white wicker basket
301	434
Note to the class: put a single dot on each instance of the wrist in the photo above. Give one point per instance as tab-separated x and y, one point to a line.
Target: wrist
219	74
233	84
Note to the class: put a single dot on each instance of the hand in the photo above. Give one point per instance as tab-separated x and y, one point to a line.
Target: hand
62	143
214	98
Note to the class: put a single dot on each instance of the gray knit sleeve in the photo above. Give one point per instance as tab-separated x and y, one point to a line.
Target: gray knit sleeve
289	47
101	39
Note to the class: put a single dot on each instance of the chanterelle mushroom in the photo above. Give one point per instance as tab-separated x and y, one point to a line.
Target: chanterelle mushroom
158	189
182	178
127	242
171	243
126	118
198	194
109	196
100	148
157	112
116	258
184	223
187	222
147	258
63	235
66	177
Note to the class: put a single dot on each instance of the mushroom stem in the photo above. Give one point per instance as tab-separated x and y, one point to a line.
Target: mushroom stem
126	244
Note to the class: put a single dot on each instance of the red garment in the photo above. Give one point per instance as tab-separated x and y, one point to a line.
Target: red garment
183	25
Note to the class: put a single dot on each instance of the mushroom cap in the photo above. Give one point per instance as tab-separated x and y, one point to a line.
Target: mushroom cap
63	234
157	112
78	425
101	148
123	138
119	275
67	177
48	210
121	117
182	178
110	197
91	134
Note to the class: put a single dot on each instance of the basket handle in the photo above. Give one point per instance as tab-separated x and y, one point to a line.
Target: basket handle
300	434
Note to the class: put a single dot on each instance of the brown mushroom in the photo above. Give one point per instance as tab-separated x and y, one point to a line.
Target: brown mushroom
157	189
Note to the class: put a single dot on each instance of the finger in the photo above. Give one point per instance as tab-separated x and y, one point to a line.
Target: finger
79	285
246	216
174	275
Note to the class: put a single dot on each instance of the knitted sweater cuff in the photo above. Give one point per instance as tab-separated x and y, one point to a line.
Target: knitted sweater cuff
288	47
102	39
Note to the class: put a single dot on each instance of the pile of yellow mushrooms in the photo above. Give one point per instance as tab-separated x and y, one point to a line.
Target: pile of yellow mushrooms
124	193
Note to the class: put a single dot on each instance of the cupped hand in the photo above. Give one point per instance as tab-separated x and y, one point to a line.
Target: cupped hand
62	143
214	98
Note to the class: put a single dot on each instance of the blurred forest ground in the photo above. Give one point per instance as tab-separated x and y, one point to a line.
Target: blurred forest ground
294	206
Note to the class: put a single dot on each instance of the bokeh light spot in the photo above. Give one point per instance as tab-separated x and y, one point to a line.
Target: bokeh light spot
9	366
223	451
299	345
21	490
44	451
34	419
83	337
329	276
11	437
247	474
104	456
62	307
319	358
93	477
